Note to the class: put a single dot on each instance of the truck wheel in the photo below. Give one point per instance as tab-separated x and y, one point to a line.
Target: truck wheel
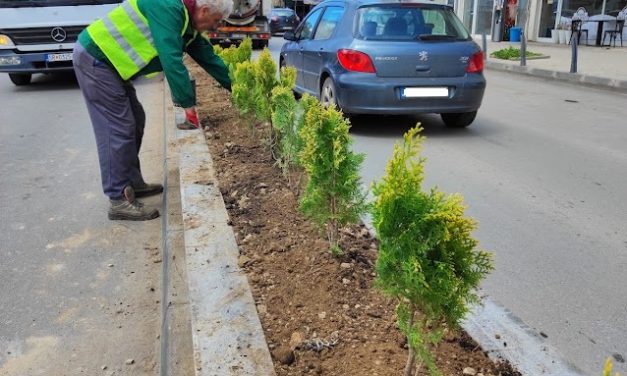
459	120
20	79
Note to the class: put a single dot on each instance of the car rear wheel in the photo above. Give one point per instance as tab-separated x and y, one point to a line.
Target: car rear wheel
328	93
459	120
20	79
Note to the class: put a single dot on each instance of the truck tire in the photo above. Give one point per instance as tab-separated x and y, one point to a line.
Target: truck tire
20	79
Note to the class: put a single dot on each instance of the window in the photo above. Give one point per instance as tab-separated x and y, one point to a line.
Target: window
330	19
307	28
422	22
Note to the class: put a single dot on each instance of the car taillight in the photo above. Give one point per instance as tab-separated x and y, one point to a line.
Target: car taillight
355	61
475	64
275	18
212	35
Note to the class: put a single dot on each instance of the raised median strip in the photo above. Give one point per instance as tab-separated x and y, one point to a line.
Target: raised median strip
226	331
575	78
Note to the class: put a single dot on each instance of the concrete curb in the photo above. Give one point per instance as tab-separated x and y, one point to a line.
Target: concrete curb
226	331
574	78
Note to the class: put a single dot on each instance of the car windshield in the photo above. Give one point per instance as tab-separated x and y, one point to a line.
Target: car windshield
282	12
409	22
52	3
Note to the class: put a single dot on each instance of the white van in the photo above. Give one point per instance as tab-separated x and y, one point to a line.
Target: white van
38	36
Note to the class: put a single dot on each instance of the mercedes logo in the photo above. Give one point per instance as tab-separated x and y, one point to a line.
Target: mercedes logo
58	34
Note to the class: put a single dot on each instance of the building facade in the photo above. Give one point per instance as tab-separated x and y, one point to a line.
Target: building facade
543	15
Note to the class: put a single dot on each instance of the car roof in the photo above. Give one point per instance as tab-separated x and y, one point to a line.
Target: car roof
358	3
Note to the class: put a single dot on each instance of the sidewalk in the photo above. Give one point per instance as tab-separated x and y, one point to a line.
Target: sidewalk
596	66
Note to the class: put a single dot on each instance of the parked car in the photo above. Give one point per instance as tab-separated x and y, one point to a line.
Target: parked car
384	57
283	19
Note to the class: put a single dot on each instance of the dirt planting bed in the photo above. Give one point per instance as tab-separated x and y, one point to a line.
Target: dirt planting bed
320	314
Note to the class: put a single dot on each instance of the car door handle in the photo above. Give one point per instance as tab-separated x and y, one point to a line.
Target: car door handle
423	68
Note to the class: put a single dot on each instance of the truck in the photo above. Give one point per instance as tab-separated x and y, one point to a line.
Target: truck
249	19
38	36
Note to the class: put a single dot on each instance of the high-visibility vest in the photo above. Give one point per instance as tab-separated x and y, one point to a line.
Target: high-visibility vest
124	37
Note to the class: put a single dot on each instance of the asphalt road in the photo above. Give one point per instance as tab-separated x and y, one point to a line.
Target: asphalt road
543	171
79	292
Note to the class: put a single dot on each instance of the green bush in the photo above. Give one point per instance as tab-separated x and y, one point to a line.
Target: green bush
287	142
243	85
512	53
265	76
427	256
235	55
333	195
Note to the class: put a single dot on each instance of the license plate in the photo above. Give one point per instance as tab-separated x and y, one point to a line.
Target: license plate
51	58
424	92
238	36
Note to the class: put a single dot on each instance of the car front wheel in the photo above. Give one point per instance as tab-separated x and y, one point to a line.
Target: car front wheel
328	93
20	79
459	120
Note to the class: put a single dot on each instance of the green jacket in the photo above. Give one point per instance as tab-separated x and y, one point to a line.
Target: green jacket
166	19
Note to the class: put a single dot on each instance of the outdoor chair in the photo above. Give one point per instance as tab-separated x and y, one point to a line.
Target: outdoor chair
617	32
576	28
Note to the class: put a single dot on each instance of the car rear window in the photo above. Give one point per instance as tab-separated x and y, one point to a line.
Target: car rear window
282	12
409	22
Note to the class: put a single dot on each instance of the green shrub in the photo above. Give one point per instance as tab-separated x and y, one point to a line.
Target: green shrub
235	55
333	195
243	85
287	77
287	142
511	53
427	256
265	76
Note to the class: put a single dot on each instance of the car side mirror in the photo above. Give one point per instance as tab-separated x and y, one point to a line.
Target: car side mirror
289	35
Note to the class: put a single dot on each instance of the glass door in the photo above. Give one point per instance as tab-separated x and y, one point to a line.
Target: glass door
547	18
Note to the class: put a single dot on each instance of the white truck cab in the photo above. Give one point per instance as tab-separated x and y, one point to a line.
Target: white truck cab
38	36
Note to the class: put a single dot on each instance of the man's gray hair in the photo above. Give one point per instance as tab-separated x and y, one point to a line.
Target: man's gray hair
224	7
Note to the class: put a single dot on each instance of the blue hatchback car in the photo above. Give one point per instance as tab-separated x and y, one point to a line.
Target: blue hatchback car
389	58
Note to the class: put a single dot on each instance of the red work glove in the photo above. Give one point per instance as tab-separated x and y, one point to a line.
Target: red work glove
192	117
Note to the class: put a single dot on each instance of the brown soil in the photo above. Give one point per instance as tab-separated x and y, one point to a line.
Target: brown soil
320	314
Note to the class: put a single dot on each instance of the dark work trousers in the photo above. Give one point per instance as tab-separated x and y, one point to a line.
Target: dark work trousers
118	120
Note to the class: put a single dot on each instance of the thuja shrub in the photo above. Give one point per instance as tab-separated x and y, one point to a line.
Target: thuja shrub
265	76
242	86
284	110
235	55
333	196
287	143
428	260
287	77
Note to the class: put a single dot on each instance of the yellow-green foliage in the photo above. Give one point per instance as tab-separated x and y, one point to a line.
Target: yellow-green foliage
428	258
242	87
285	110
265	76
287	77
235	55
333	196
607	370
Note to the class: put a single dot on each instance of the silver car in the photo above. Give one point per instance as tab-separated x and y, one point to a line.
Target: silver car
388	57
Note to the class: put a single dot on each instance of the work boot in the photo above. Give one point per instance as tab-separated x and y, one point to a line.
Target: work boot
130	209
145	189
